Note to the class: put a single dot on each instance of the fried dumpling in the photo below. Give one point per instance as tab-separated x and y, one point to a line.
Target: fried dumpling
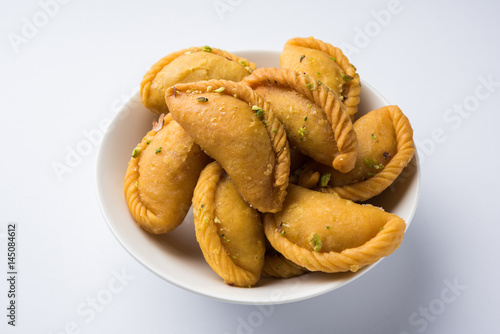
190	65
326	63
161	176
277	266
228	230
322	232
385	148
315	119
238	129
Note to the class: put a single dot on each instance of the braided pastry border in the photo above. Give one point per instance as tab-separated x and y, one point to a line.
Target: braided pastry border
374	185
160	64
329	102
144	217
352	99
207	232
274	127
383	244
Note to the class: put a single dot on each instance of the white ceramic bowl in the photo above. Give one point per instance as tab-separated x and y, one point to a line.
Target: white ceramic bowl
176	257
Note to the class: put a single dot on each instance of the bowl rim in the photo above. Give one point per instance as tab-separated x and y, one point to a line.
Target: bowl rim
231	297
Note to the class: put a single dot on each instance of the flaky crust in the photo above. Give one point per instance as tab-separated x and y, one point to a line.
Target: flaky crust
215	254
158	189
158	106
265	199
374	185
351	95
344	154
351	259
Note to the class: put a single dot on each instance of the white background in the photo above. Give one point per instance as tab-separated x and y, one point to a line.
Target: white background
69	74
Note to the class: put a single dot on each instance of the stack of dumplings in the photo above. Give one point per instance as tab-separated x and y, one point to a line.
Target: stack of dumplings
273	162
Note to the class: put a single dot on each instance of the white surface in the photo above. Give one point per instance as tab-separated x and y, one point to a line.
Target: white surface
176	256
70	75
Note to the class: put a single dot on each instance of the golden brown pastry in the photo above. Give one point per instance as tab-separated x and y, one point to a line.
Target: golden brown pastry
228	230
315	119
326	63
238	129
385	149
161	177
322	232
190	65
277	266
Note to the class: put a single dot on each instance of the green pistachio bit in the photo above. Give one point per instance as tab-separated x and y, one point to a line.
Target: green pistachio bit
206	49
259	112
282	232
158	150
310	86
201	99
148	141
324	179
328	227
315	242
302	58
243	63
220	89
305	119
334	59
373	135
346	77
302	133
225	239
373	163
274	130
205	220
136	152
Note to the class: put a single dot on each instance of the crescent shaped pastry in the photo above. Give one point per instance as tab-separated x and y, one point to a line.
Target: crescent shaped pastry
277	266
315	119
238	129
161	177
228	230
190	65
385	148
323	232
326	63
